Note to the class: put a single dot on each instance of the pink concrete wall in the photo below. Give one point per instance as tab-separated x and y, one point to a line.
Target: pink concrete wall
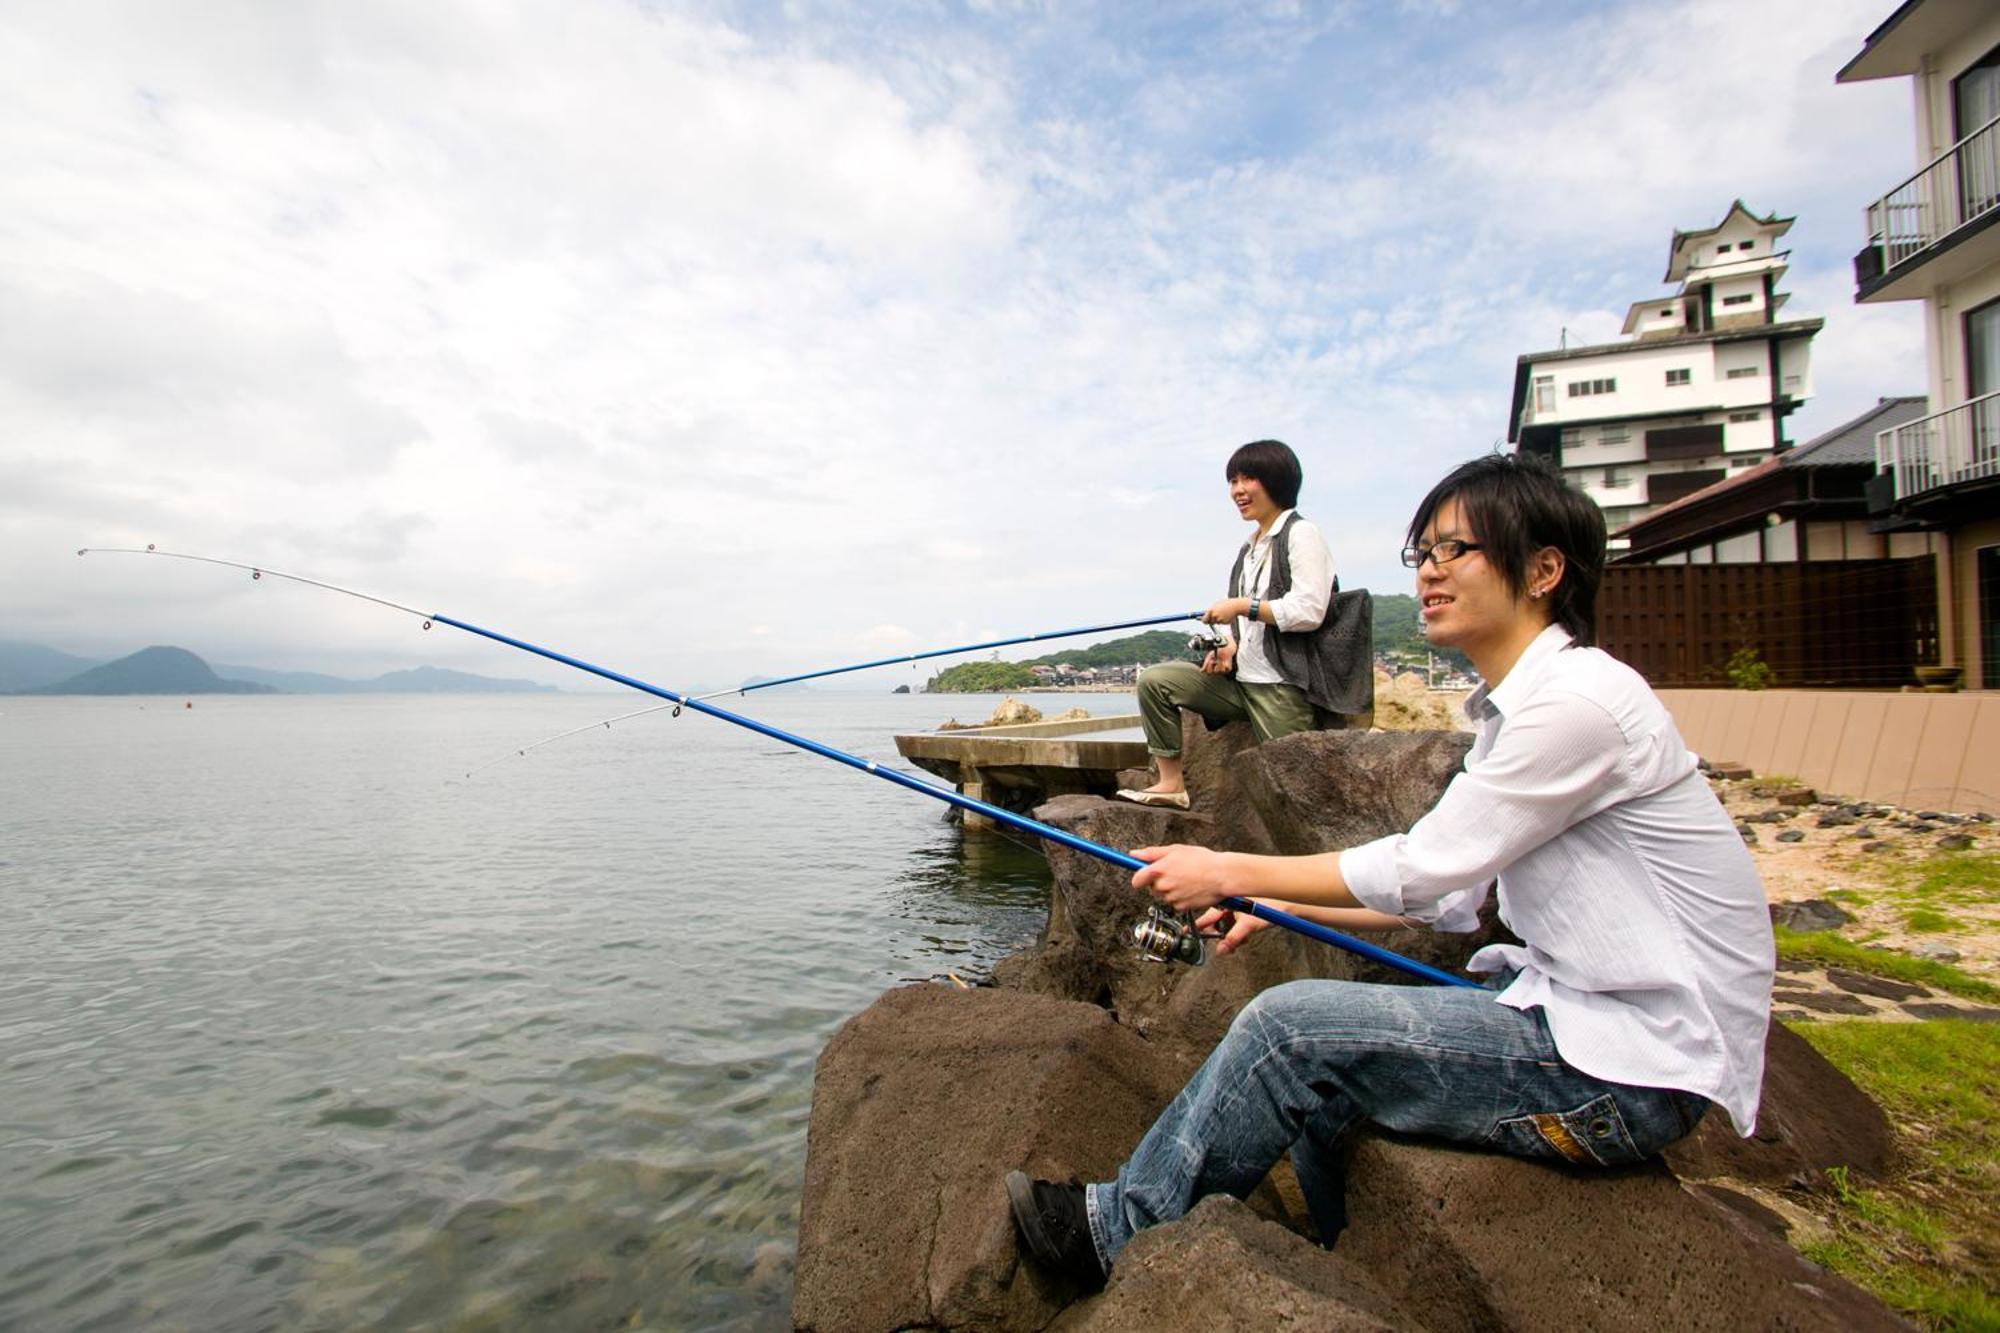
1923	751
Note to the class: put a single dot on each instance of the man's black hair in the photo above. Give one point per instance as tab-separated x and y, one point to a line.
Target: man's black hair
1515	505
1274	465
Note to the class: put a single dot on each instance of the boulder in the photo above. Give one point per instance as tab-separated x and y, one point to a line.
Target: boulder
1323	791
1320	791
1808	914
921	1104
1237	1271
1208	759
1462	1239
1086	951
1809	1118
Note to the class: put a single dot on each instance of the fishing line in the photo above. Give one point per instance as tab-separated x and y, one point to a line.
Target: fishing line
999	814
743	689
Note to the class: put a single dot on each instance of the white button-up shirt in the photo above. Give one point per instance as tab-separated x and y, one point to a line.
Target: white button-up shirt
1303	607
1648	941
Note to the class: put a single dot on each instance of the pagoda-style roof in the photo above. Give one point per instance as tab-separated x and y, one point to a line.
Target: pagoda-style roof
1684	244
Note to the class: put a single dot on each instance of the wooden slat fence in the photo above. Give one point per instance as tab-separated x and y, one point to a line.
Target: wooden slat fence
1835	624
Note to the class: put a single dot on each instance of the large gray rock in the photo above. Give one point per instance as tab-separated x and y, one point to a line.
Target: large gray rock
1809	1118
1086	952
921	1104
1324	791
1464	1239
1229	1268
1321	791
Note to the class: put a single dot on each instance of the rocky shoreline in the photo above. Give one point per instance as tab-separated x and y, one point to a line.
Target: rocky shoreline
923	1101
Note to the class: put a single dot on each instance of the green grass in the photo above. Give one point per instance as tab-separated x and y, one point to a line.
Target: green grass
1924	921
1826	949
1943	1075
1939	1084
1950	877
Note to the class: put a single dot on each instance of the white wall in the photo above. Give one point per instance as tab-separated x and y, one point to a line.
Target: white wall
1641	375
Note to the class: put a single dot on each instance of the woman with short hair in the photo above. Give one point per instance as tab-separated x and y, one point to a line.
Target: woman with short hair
1282	584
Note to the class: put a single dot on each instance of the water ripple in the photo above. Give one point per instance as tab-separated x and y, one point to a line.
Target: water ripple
295	1035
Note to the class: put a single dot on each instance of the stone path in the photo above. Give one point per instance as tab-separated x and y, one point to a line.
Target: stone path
1801	993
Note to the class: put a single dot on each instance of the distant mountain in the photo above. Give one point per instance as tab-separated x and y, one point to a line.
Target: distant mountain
442	680
152	671
1156	645
23	666
420	680
755	682
290	682
33	668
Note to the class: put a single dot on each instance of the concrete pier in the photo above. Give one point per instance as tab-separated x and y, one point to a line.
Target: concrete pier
1022	765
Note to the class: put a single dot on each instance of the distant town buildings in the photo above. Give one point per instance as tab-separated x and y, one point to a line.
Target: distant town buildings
1935	238
1701	387
1068	674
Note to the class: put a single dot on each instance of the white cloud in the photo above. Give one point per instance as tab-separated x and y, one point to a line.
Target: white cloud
603	322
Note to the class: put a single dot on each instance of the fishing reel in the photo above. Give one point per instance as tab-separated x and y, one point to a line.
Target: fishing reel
1209	641
1169	937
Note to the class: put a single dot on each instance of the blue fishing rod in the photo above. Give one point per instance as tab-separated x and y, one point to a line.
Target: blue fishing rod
838	671
1161	941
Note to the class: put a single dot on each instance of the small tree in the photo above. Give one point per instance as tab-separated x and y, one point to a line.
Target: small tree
1747	671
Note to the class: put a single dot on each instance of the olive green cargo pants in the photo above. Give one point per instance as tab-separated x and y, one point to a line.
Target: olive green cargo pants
1271	710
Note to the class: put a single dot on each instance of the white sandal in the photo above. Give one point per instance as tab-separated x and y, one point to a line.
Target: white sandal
1166	800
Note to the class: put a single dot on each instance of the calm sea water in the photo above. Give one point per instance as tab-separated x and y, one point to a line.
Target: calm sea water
299	1028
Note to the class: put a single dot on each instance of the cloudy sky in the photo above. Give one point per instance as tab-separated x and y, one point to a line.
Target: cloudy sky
706	339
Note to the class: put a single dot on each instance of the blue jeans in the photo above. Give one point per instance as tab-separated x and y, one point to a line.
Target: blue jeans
1306	1061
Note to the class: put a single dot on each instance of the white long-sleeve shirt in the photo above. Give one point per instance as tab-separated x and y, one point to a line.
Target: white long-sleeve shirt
1303	607
1647	938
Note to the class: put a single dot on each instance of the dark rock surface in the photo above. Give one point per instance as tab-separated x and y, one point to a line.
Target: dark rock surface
1829	1002
1860	983
1223	1267
1809	914
921	1103
1809	1118
1476	1240
1970	1013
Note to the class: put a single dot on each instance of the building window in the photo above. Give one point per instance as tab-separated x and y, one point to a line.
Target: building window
1545	393
1746	416
1745	245
1615	478
1679	377
1744	372
1572	436
1614	435
1975	100
1743	299
1585	388
1666	314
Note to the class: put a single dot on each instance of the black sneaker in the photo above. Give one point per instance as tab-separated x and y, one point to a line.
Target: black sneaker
1055	1223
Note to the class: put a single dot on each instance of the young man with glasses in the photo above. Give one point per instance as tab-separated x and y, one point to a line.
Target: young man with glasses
1642	990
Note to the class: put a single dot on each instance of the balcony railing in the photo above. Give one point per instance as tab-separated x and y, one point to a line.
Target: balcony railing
1948	448
1963	184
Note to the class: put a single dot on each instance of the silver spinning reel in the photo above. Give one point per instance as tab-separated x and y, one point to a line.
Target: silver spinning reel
1169	937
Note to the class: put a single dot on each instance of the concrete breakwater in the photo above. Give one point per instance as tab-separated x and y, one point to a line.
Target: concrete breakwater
923	1101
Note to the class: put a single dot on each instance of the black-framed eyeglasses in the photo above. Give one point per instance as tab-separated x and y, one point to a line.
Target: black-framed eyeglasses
1443	552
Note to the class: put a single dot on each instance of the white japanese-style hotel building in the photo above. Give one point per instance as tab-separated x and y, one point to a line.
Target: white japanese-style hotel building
1700	388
